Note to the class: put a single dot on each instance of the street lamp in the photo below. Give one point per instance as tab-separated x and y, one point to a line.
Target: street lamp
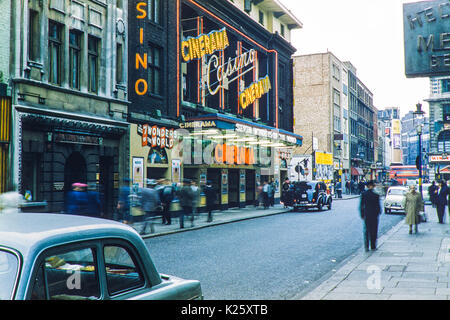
419	114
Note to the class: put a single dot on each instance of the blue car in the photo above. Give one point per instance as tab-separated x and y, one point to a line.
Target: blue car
68	257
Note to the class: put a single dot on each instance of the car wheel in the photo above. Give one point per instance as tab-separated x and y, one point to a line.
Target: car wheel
387	211
319	206
329	204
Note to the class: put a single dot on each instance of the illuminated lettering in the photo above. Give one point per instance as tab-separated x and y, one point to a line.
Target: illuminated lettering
139	8
255	91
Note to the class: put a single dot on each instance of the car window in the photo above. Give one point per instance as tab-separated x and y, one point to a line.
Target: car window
122	273
9	266
397	192
68	275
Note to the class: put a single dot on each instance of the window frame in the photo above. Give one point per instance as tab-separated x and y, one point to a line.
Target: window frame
58	43
155	15
152	67
96	54
78	50
34	36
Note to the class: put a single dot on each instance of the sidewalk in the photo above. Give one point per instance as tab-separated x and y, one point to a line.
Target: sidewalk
405	267
219	217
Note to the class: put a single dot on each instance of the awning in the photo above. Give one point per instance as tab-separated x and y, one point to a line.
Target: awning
357	171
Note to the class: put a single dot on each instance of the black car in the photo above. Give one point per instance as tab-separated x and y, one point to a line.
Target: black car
308	194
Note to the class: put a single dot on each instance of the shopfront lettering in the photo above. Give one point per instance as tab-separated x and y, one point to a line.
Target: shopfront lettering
141	85
198	124
204	44
230	154
255	91
157	137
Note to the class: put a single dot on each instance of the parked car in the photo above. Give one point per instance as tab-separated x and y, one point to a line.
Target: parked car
68	257
309	194
395	199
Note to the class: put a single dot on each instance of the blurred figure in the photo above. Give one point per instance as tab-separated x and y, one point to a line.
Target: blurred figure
259	195
370	210
347	187
11	202
271	193
123	205
413	205
149	203
196	197
186	196
265	194
441	200
166	195
94	204
339	189
77	201
210	194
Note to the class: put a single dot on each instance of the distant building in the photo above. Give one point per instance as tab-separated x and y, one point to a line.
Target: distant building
410	141
390	117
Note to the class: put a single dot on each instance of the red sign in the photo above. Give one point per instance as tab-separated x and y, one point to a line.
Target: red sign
157	137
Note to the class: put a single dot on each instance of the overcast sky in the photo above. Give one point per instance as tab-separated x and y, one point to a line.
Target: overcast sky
369	34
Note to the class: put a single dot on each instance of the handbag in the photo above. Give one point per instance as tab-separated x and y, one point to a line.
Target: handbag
422	217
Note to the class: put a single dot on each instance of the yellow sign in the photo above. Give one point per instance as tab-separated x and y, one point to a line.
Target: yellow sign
204	44
254	91
396	126
324	158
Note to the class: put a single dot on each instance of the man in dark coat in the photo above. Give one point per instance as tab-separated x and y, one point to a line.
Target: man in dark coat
370	210
210	195
441	200
432	192
186	197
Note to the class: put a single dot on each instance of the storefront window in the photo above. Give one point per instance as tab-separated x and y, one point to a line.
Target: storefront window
158	156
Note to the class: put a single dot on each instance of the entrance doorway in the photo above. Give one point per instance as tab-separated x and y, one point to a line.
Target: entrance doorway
106	186
250	186
74	170
215	177
233	188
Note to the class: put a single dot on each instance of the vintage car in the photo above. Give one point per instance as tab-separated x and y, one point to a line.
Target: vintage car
309	194
68	257
395	199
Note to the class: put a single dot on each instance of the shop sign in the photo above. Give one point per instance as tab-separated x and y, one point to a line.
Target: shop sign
204	44
155	136
229	154
198	124
438	158
77	139
260	132
426	38
255	91
324	158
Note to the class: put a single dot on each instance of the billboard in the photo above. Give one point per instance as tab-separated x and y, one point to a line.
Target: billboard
426	27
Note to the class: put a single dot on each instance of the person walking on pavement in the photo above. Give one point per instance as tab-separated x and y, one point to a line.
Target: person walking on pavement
432	192
166	195
370	210
210	194
441	200
413	206
196	199
186	196
272	192
265	193
285	192
149	203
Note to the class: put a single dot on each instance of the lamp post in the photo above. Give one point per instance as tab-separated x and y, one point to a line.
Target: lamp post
419	114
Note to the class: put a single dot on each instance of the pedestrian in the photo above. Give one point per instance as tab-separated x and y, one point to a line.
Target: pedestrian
339	189
149	202
432	192
77	201
186	196
271	193
265	194
196	199
211	196
94	203
285	192
347	187
259	195
441	200
361	186
370	210
167	194
123	205
413	206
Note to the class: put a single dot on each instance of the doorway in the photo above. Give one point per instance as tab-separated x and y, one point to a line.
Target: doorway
250	186
233	188
106	186
74	170
215	177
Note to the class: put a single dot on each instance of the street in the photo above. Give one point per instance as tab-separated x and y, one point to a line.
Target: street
269	258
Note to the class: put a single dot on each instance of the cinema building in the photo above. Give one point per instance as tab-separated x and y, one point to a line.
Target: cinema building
211	94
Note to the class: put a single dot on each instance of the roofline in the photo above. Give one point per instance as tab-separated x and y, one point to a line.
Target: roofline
290	14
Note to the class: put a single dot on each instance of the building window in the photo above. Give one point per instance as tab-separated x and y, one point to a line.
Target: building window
154	11
261	17
119	63
119	4
93	56
282	30
445	85
74	58
33	36
54	52
154	70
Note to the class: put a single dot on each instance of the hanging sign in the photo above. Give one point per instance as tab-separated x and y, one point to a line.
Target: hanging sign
157	137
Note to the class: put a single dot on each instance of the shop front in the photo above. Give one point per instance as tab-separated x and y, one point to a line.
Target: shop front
5	132
235	155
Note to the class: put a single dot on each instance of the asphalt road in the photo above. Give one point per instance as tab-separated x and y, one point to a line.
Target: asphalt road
268	258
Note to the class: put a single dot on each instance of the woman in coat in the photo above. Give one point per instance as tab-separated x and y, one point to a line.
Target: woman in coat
413	205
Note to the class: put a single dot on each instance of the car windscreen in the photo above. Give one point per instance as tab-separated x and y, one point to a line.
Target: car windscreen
397	192
9	266
302	186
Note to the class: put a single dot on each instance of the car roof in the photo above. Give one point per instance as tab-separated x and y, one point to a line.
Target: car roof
22	231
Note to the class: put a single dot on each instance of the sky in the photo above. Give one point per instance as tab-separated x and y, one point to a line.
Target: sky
369	34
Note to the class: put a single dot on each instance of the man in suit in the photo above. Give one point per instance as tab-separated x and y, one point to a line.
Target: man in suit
441	200
370	210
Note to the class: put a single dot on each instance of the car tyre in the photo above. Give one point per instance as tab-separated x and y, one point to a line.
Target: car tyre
387	211
319	206
329	204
